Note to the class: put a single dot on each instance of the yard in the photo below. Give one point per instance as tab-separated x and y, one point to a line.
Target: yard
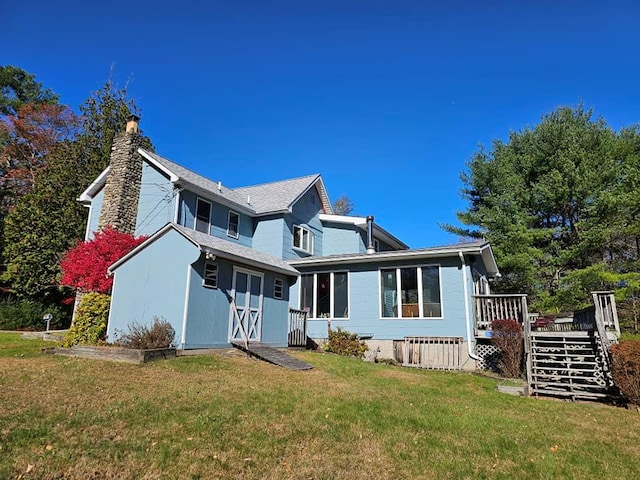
226	416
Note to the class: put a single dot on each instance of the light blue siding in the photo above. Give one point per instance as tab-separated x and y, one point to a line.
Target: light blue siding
364	305
219	219
153	283
94	214
156	206
208	309
339	239
306	213
268	235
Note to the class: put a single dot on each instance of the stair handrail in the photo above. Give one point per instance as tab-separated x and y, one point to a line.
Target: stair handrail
602	333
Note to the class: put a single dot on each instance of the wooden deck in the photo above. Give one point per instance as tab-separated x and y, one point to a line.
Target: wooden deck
272	355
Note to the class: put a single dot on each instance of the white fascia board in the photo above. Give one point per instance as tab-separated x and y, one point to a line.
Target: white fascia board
95	187
486	252
347	219
388	256
172	176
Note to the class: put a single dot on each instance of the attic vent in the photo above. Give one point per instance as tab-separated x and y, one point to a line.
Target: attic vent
219	186
248	199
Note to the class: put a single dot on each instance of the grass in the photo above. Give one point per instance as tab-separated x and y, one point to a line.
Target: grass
226	416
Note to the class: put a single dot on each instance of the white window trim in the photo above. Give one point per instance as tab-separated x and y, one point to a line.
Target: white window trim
195	216
311	239
420	292
204	275
312	314
237	234
277	280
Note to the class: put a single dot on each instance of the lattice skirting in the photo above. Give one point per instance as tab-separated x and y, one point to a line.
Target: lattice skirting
488	354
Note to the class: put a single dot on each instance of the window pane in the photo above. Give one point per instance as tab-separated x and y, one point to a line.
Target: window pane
277	288
388	288
297	236
340	295
324	295
232	228
409	292
306	294
256	288
210	275
203	216
431	291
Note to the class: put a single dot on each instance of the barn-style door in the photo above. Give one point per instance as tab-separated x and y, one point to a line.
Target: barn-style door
245	317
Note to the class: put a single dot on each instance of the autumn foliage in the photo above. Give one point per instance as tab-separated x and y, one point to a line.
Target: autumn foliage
84	267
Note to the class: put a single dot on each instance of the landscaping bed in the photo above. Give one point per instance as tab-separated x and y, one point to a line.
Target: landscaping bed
116	354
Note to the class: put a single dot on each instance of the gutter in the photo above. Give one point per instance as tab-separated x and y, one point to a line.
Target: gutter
466	306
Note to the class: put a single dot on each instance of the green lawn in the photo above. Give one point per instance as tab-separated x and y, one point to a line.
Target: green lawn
226	416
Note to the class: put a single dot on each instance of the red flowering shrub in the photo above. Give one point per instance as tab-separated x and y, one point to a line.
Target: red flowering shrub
85	266
626	369
507	336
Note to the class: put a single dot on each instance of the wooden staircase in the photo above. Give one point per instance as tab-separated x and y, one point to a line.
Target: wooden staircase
571	360
568	364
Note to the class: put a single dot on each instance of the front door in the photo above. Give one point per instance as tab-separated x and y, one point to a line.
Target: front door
245	317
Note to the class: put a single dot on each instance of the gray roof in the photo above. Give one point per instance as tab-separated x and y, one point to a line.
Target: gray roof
258	199
476	247
235	251
195	180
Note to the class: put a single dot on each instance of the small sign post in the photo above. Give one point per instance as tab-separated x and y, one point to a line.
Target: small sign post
47	318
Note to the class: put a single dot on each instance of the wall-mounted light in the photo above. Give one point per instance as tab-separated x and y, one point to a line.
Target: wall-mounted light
210	256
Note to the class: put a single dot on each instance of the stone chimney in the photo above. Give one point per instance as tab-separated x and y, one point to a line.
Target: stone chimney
122	188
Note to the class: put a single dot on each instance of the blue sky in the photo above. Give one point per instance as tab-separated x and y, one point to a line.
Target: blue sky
387	99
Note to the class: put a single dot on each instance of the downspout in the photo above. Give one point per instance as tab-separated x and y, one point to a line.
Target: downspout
466	306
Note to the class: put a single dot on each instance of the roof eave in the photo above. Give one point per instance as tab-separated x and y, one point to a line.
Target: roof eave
95	187
390	256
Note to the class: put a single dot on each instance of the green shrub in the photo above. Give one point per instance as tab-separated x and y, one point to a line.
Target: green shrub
345	343
18	314
159	335
90	324
625	368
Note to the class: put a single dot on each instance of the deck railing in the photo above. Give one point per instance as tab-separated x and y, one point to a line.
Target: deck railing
297	328
488	308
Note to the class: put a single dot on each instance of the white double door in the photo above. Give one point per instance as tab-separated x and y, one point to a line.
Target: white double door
245	316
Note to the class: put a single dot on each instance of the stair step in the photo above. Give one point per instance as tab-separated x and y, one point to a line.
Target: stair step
562	393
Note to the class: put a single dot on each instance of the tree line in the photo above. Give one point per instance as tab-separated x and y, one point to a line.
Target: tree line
49	154
560	204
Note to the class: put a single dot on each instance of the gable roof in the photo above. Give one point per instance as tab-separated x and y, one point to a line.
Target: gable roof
280	196
257	200
216	246
478	247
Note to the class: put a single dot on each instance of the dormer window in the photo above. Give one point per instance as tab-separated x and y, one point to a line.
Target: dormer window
302	238
232	225
202	221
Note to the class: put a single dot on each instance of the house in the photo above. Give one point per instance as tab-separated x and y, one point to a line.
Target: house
223	264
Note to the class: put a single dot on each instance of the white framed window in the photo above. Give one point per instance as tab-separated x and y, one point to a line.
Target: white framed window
210	278
202	221
410	292
233	225
325	295
278	288
302	238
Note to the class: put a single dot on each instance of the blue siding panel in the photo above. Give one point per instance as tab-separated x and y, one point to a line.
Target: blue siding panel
364	305
153	283
156	206
219	219
305	212
268	235
209	309
94	214
342	239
